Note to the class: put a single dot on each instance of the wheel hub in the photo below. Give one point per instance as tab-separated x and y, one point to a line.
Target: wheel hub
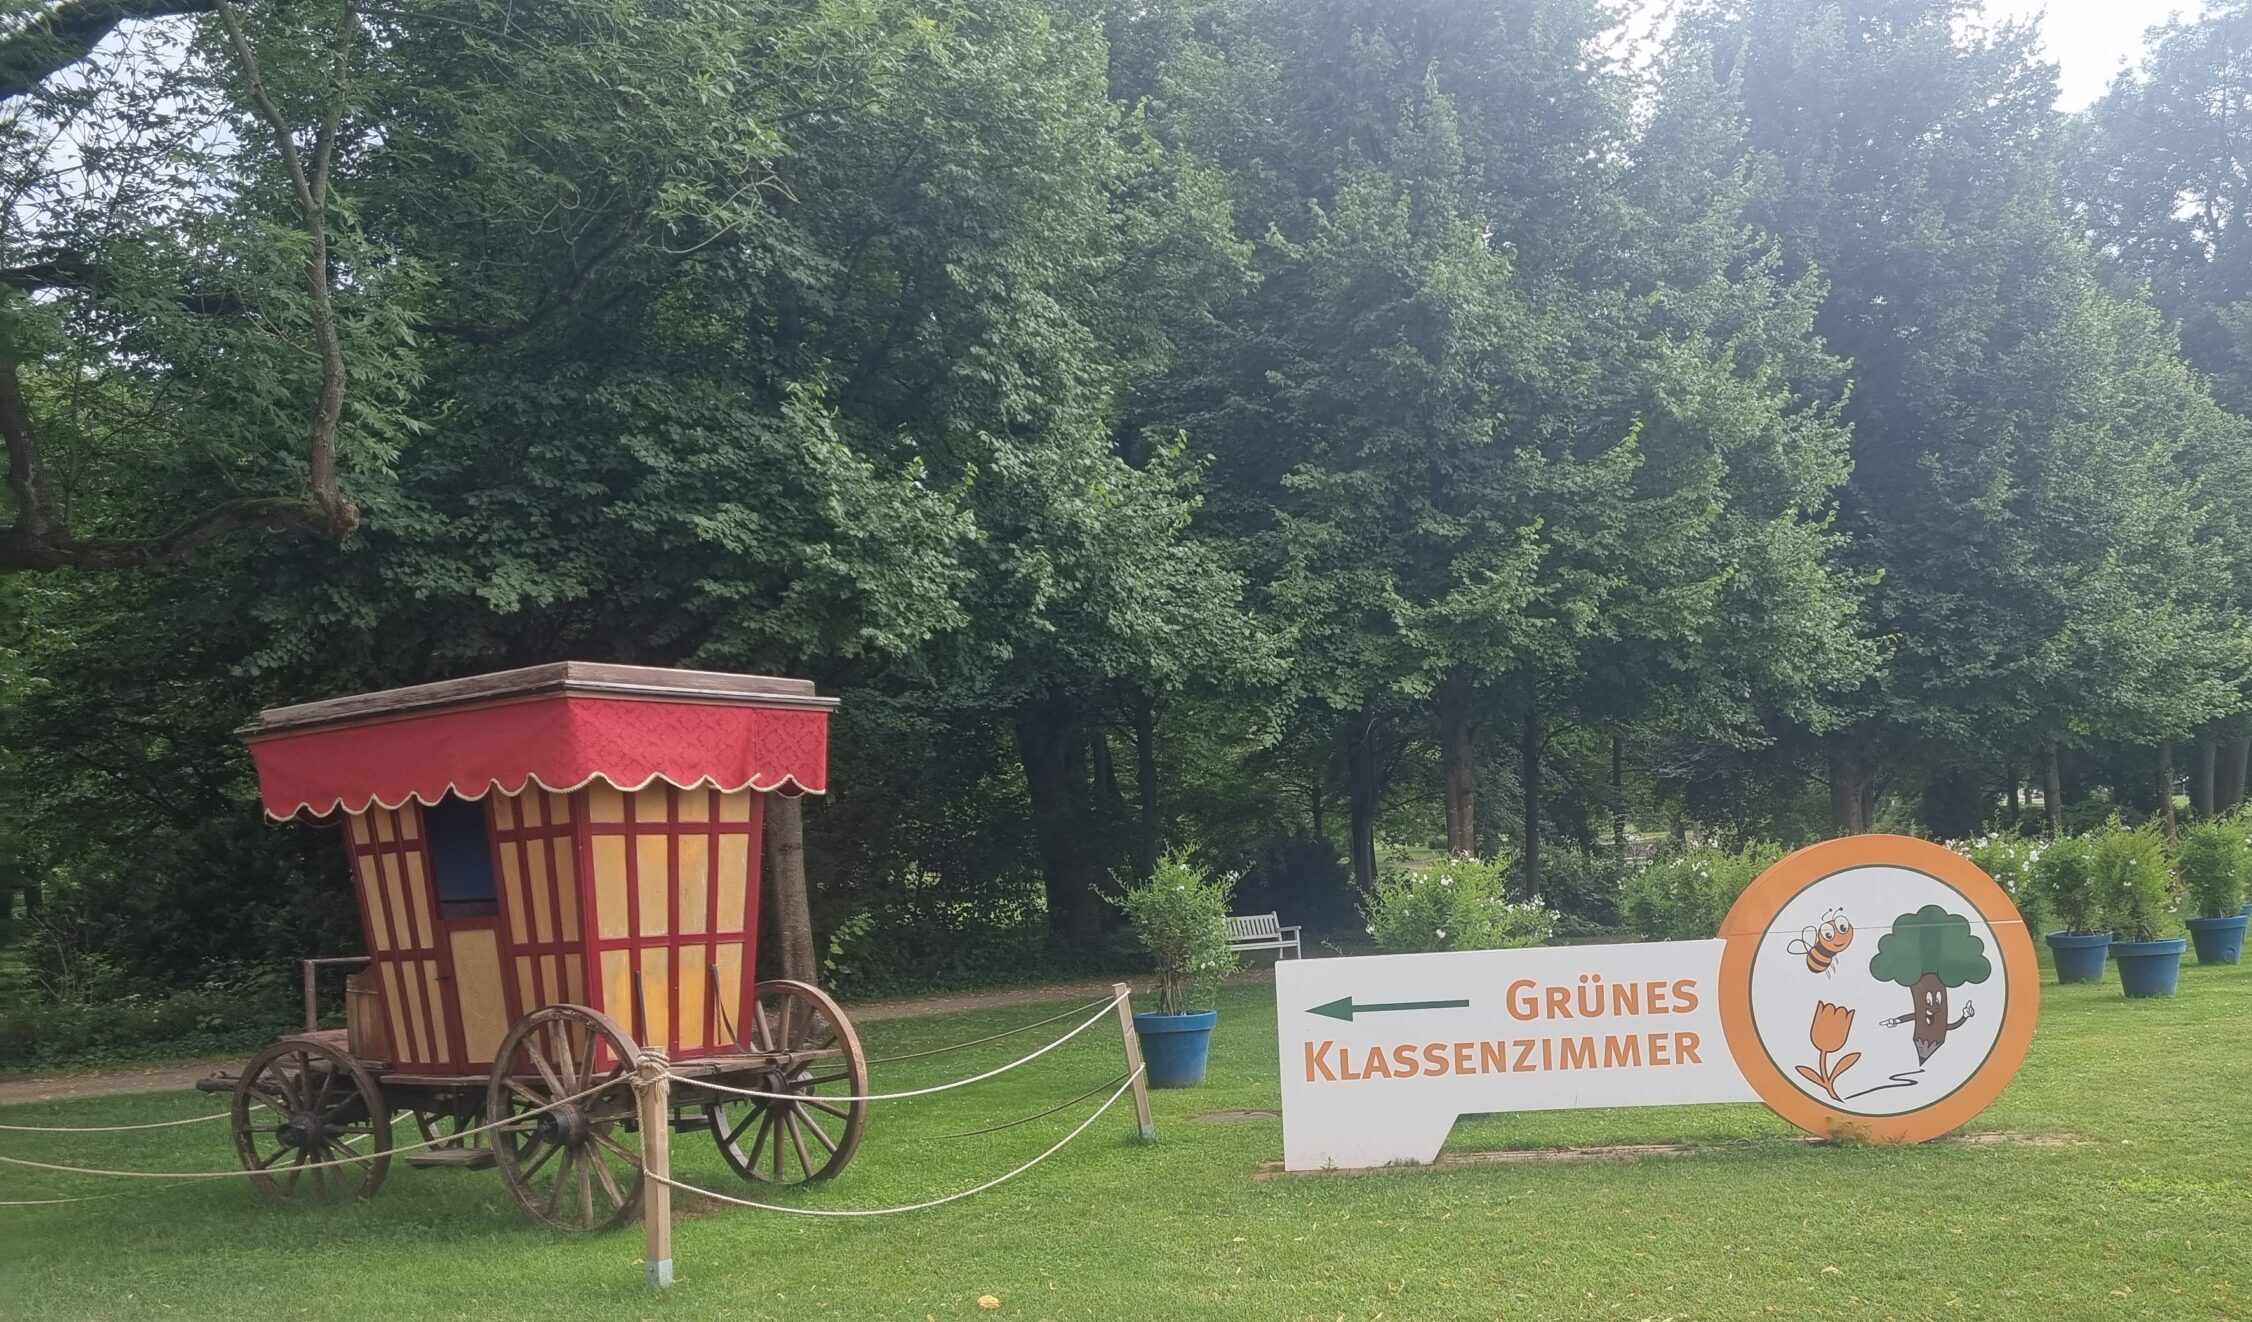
565	1125
302	1130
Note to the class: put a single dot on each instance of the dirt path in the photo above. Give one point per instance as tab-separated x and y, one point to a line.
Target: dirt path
165	1078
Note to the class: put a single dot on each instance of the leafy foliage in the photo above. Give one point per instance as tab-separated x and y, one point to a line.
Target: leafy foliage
1459	903
1179	914
1684	897
2132	880
2212	859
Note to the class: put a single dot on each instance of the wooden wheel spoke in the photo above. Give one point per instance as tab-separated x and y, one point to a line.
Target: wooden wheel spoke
280	1150
610	1188
829	1107
531	1098
750	1118
821	1135
546	1071
546	1151
812	1081
586	1188
797	1140
766	1127
562	1178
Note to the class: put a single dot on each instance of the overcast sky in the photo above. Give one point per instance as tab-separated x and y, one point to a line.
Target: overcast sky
2088	38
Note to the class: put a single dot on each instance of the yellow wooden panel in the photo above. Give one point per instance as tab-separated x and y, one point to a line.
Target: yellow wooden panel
559	809
604	803
567	882
543	904
484	1010
610	914
528	806
653	802
655	876
410	820
527	993
617	987
695	885
729	956
359	828
406	1034
574	977
371	897
504	811
418	895
735	807
551	969
386	827
394	899
437	1003
512	896
734	882
656	993
695	806
695	993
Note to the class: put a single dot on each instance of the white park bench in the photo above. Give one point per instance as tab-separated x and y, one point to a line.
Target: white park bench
1262	931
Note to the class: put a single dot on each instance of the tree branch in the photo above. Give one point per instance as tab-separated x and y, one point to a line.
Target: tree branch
67	33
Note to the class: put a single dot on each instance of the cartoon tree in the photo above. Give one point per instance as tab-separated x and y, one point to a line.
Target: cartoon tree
1928	952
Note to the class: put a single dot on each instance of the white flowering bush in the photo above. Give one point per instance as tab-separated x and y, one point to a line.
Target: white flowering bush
2009	860
1180	915
1683	898
1459	904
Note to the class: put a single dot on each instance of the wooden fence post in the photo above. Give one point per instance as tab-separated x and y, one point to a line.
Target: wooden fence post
1125	995
652	1086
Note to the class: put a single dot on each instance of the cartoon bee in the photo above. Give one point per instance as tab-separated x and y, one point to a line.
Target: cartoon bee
1822	945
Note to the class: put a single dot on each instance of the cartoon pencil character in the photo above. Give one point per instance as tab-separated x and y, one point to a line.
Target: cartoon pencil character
1929	952
1822	945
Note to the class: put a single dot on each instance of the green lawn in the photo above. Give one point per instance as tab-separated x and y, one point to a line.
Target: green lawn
2150	1217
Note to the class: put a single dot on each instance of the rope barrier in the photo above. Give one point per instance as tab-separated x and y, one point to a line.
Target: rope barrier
1011	1124
981	1041
110	1129
912	1207
705	1085
318	1165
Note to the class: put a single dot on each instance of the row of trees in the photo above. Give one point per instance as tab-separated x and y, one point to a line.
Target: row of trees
1277	425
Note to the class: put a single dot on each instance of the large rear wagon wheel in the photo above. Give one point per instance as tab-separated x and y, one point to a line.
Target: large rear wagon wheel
301	1104
809	1134
575	1165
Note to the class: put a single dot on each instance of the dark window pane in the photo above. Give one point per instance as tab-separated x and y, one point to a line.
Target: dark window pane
462	858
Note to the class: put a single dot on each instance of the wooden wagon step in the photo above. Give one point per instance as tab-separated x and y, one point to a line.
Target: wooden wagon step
468	1159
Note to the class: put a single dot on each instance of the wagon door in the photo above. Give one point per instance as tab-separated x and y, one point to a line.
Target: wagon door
390	870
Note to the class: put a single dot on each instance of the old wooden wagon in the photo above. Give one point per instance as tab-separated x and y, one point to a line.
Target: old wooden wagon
555	867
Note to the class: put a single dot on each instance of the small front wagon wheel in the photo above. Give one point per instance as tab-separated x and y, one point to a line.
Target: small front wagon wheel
562	1103
301	1105
808	1131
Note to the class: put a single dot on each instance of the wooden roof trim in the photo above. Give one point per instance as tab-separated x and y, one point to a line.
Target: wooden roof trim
570	678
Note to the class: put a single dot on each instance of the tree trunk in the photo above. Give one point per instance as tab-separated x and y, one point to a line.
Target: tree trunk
1618	798
1052	746
2166	790
2052	790
1529	773
2009	777
1317	805
1148	842
1458	758
1364	779
2230	791
1852	786
789	904
2201	775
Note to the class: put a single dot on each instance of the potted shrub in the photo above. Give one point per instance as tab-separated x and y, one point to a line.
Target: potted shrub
1180	915
2212	862
2066	895
2129	870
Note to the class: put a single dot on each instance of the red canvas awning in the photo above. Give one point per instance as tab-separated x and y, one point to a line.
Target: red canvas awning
559	725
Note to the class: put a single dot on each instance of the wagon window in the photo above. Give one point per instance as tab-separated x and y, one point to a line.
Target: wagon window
461	858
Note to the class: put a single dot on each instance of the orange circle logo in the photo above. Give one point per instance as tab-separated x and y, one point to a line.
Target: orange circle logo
1877	986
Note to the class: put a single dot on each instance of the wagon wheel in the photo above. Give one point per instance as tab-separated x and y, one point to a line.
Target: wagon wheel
578	1165
816	1058
300	1103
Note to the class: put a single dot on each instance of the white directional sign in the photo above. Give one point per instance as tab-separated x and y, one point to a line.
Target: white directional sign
1875	986
1381	1053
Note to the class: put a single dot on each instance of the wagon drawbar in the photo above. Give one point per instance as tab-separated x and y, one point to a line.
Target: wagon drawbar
556	868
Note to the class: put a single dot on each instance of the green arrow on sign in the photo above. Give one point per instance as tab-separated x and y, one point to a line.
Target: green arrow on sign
1343	1007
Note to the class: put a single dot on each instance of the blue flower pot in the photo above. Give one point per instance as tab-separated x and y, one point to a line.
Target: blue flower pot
1175	1046
2150	968
2079	955
2218	940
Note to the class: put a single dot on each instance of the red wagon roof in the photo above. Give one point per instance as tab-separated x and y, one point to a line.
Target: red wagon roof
559	725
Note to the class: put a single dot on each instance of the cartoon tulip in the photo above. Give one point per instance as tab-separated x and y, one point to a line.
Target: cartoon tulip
1832	1025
